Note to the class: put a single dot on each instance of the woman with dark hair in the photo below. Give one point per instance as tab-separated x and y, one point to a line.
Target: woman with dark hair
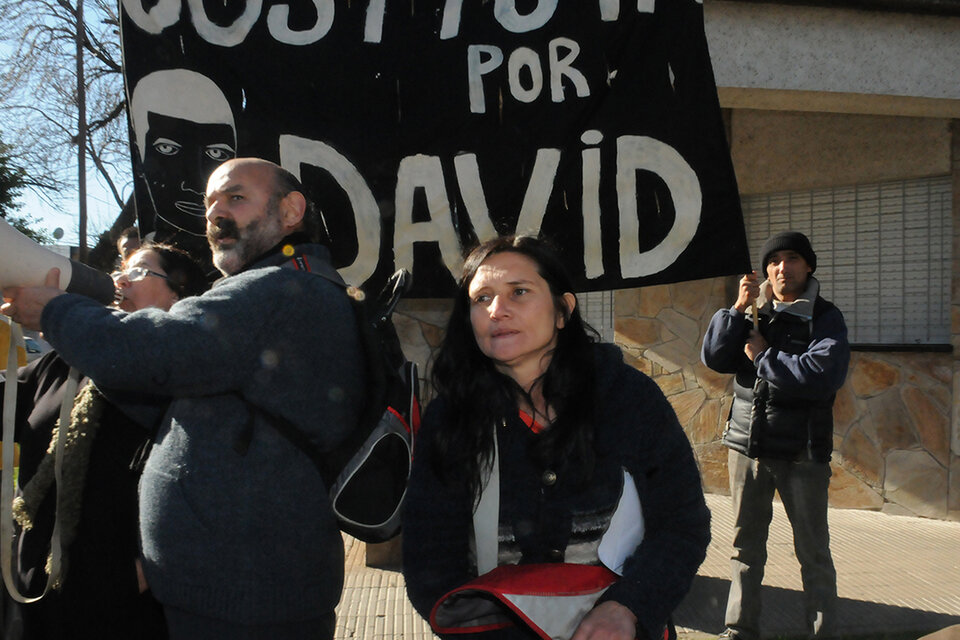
163	274
524	392
101	592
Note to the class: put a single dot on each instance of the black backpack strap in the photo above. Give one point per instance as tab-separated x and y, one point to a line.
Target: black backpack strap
290	431
330	463
287	429
376	387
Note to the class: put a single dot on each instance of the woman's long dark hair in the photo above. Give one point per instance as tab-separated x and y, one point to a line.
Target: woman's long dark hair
478	396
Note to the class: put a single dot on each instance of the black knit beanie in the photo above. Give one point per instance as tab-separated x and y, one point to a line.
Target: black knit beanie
792	240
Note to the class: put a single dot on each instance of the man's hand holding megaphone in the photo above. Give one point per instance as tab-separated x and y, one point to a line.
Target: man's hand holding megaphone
25	304
23	263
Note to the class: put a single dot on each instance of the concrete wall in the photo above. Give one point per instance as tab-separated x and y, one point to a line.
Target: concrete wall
776	151
829	51
892	433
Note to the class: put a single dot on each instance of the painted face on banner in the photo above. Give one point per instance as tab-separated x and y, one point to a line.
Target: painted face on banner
184	130
179	157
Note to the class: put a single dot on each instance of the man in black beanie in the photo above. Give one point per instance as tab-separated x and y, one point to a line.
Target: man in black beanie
788	348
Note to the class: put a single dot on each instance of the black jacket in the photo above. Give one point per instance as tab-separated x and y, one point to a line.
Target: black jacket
783	402
636	429
100	596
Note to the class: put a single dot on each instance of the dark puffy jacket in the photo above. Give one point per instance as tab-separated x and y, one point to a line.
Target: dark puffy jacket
783	402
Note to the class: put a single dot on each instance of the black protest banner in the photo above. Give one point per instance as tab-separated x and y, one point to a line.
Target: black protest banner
421	126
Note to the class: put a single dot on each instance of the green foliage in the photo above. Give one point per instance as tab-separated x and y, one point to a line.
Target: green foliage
23	225
12	182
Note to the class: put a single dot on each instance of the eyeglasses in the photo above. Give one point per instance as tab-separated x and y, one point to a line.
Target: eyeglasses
133	274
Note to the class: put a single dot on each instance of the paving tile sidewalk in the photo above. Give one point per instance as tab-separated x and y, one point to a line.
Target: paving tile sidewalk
374	605
895	574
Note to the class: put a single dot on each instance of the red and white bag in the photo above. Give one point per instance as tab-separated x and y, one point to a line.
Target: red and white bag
551	599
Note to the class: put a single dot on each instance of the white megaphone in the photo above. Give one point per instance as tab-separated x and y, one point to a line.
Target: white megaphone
24	263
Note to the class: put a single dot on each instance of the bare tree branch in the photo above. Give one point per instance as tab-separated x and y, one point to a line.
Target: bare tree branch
39	99
118	111
98	163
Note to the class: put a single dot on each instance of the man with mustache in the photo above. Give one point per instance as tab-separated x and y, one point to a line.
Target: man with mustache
789	364
238	537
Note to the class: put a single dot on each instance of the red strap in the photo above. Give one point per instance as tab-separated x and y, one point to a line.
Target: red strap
528	420
300	263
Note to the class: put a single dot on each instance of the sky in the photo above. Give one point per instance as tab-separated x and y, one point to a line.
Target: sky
102	210
101	207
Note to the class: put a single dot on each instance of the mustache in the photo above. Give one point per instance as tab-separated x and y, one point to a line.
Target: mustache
222	229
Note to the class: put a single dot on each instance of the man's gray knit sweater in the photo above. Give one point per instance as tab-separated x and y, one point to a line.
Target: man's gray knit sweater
240	533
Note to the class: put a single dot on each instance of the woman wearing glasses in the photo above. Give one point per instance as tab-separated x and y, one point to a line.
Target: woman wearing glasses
102	592
143	281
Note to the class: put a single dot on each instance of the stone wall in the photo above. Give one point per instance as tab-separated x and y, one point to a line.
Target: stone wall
893	416
892	434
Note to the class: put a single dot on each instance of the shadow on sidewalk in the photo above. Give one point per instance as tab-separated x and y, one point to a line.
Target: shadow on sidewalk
703	610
